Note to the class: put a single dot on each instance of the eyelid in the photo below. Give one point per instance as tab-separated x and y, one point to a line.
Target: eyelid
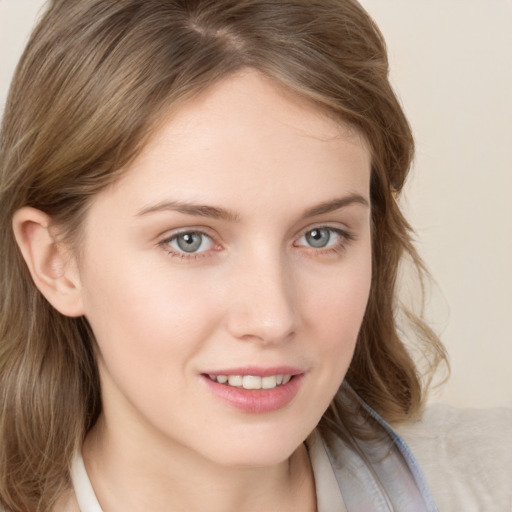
341	230
172	233
345	238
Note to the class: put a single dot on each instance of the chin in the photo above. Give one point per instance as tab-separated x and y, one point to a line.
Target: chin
255	449
254	458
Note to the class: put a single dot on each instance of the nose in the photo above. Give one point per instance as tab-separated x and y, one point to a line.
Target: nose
263	303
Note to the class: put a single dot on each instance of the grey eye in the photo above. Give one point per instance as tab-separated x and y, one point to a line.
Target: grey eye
189	242
318	238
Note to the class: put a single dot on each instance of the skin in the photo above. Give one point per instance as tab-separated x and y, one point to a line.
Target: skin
255	293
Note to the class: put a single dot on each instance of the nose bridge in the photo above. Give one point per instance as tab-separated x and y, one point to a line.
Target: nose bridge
264	297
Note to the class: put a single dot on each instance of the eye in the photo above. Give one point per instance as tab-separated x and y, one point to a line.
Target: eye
320	238
189	242
325	239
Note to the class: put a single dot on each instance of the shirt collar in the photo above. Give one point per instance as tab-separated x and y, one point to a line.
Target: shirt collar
328	494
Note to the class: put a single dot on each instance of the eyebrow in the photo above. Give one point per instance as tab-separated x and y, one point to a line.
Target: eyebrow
197	210
336	204
216	212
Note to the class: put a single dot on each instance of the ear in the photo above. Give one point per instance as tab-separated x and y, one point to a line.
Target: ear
51	265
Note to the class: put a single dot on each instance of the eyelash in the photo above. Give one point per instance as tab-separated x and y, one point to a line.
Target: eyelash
165	244
345	238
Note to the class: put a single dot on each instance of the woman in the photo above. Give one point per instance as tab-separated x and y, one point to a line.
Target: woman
201	241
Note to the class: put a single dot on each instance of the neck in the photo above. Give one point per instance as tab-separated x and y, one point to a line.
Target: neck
128	474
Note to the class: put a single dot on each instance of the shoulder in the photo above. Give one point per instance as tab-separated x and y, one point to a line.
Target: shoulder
465	455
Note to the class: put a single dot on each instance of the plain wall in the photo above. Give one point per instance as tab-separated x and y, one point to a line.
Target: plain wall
451	64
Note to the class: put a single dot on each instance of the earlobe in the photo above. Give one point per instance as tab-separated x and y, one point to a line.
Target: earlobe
50	264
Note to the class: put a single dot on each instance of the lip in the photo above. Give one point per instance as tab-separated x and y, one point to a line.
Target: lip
256	401
257	371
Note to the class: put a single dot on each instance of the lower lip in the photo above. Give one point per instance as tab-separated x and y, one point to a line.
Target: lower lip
256	400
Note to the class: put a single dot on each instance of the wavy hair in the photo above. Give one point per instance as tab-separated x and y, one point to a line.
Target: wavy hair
92	84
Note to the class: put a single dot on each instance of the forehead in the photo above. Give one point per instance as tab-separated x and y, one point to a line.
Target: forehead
247	134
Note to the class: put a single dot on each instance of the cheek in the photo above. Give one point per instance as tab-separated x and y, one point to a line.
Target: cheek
335	314
149	330
337	306
147	318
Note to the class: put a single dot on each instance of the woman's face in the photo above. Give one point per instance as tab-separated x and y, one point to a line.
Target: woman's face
236	247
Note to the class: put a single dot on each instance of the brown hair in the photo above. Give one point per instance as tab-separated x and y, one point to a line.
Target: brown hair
93	81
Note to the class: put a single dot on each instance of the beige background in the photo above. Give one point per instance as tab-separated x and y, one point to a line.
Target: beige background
451	63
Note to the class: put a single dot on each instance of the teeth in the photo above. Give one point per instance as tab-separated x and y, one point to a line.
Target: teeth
252	381
269	382
235	380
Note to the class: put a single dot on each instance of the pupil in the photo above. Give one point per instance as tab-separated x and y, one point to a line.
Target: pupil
318	237
189	242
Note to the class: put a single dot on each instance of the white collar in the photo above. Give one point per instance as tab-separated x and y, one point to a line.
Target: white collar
328	493
87	501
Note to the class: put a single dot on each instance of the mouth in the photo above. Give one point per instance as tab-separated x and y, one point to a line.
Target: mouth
251	381
255	389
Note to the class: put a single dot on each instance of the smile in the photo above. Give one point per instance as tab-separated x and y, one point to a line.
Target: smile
251	381
255	390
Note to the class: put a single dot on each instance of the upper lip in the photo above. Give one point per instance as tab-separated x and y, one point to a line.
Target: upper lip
257	371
